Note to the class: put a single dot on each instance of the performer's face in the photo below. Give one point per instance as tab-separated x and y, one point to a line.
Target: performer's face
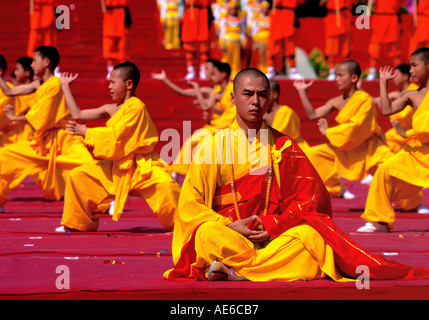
39	64
343	77
117	86
251	98
419	70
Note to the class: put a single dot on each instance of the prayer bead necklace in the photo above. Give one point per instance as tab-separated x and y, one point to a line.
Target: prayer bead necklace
231	172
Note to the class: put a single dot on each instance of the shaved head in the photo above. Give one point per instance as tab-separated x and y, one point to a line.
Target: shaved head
423	54
250	72
128	71
352	67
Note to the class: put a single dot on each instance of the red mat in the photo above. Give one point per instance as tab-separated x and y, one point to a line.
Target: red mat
126	259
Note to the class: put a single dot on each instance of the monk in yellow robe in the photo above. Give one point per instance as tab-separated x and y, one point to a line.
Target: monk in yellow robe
14	131
356	146
405	117
128	163
52	153
254	208
401	178
283	118
216	105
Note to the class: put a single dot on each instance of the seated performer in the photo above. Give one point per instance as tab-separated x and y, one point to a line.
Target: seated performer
283	118
49	157
266	217
356	145
128	163
401	178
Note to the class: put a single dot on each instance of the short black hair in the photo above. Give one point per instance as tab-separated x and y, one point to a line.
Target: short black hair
424	54
26	62
404	69
51	53
275	86
222	67
3	63
129	71
252	72
353	67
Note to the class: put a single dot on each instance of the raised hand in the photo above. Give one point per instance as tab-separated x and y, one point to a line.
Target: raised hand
68	79
387	73
300	85
159	76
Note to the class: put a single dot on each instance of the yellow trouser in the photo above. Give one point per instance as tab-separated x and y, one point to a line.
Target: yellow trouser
323	159
385	190
232	55
172	34
300	253
91	188
20	160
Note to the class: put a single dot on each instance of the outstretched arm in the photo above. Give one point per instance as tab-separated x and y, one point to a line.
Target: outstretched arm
312	114
76	113
20	90
183	92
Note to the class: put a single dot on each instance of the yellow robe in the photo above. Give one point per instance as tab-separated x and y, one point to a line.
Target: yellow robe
356	145
128	165
401	178
14	131
299	253
183	160
287	122
405	118
50	156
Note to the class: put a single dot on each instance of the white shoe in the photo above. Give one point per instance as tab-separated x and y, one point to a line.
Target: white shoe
203	72
367	180
372	74
2	209
348	195
271	73
191	73
332	74
295	75
373	227
112	207
62	229
422	209
109	70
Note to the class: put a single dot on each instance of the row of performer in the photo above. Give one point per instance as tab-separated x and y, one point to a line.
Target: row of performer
270	28
231	214
237	28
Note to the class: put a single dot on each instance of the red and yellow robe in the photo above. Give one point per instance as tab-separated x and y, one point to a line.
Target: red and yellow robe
299	203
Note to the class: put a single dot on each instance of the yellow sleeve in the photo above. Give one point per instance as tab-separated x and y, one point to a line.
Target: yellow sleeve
50	107
421	127
352	133
132	130
287	122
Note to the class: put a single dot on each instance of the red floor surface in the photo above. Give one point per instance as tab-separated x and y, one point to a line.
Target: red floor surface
126	259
